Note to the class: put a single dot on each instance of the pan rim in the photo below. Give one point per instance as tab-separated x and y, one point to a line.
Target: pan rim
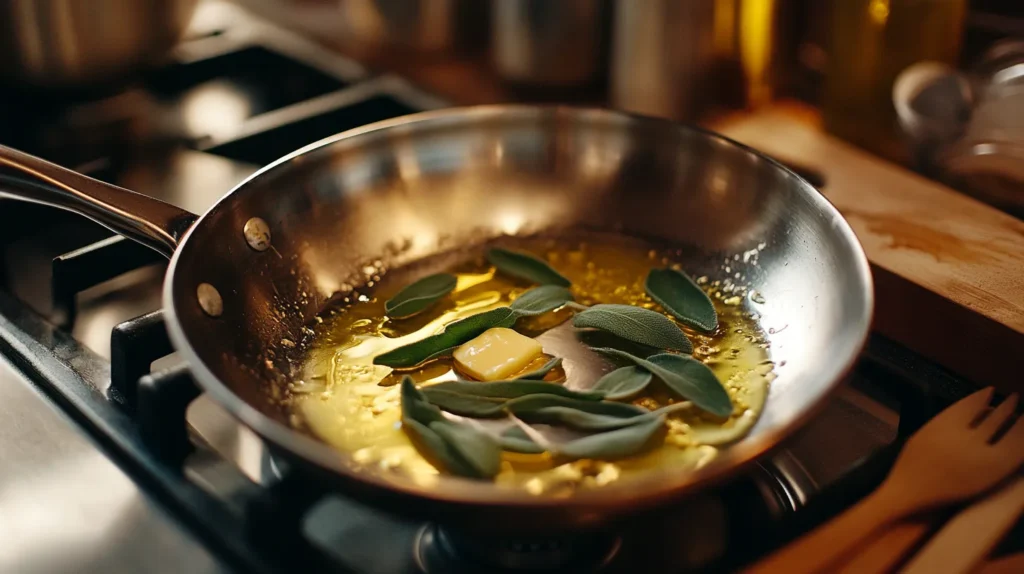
457	491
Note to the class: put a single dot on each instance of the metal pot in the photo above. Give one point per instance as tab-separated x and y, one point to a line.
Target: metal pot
681	59
64	43
559	44
247	276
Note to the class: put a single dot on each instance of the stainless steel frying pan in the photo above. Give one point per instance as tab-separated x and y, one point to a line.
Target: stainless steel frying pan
270	254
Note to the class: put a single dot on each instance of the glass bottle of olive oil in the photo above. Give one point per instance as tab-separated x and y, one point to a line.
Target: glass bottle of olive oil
872	41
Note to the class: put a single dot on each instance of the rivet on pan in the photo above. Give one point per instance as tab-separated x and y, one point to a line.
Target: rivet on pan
257	234
210	300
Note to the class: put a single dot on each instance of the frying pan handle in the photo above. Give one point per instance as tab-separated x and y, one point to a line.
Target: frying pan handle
149	221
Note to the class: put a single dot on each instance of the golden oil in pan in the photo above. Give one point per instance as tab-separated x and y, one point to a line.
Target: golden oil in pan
354	405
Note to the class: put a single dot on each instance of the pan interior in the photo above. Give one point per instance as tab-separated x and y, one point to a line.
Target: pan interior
401	191
342	397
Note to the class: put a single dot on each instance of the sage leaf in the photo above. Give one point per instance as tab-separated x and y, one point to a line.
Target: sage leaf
623	383
459	450
526	407
685	376
635	324
417	417
442	353
416	406
454	334
523	266
492	400
540	300
438	451
511	389
682	298
589	421
476	448
420	295
515	439
477	407
693	380
619	443
539	374
594	338
579	420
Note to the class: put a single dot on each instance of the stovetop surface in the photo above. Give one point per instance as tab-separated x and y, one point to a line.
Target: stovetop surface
58	491
100	465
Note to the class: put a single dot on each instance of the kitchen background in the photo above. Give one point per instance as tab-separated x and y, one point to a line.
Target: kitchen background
182	99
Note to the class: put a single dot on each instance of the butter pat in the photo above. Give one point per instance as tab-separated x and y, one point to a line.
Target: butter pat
496	354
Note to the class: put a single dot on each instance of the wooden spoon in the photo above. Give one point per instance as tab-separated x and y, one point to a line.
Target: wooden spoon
1012	564
966	540
890	549
950	459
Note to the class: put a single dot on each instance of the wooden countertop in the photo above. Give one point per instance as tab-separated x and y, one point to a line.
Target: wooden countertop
948	270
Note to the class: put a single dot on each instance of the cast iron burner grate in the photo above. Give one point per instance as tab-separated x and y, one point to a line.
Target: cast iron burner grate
442	550
275	142
265	80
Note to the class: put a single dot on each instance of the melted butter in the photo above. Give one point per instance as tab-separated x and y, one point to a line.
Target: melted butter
355	406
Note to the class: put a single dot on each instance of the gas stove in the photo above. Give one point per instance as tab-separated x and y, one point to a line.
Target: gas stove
110	452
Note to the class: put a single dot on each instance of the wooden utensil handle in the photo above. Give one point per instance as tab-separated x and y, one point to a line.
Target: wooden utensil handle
968	538
890	548
1012	564
829	543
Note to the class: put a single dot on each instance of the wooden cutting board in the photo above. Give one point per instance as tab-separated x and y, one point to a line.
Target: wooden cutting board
948	270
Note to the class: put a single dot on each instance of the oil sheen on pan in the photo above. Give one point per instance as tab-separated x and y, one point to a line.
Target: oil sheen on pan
349	402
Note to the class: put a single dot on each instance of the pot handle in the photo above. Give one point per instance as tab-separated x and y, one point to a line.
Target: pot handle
149	221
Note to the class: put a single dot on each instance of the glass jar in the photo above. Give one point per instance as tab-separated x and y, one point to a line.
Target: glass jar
872	41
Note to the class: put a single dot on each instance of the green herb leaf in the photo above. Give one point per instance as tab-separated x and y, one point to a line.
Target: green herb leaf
527	407
526	267
635	324
460	450
682	298
453	335
417	416
696	382
511	389
687	377
543	371
418	296
442	353
438	451
416	406
619	443
596	338
580	419
515	439
478	449
473	406
540	300
490	400
623	383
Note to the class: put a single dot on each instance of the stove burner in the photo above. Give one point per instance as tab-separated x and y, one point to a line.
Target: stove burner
443	550
691	534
